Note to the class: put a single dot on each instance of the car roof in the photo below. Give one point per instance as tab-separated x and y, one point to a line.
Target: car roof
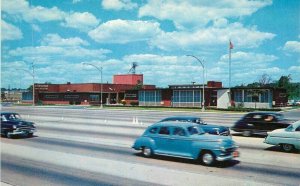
172	124
180	117
263	113
5	113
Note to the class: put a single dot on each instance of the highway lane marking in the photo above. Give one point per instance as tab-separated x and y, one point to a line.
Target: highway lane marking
142	172
261	156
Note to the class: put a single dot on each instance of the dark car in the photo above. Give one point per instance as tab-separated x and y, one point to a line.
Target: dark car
208	128
260	123
12	125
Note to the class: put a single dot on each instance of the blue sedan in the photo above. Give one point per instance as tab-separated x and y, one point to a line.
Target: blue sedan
208	128
185	140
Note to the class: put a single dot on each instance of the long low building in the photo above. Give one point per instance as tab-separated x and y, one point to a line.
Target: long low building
135	93
214	96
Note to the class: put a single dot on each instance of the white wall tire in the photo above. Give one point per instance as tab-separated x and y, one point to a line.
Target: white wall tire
247	133
287	147
208	158
147	152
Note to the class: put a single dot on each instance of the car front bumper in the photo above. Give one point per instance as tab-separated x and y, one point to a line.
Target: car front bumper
21	132
234	154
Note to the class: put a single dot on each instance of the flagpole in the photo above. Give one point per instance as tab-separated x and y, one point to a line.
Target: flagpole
229	83
229	63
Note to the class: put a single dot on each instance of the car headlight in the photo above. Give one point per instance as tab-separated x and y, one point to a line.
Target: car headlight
14	126
223	149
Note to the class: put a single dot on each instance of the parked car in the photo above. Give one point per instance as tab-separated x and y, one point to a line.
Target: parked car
260	123
208	128
12	124
288	138
185	140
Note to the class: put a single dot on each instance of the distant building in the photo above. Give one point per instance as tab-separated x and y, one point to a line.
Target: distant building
190	95
82	93
128	79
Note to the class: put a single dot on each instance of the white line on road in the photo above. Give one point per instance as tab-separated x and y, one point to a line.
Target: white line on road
146	173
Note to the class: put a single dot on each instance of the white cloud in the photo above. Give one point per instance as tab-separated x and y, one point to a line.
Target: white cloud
56	40
193	13
245	67
118	4
56	52
210	37
292	46
124	31
295	70
10	32
249	58
21	9
82	21
163	70
219	23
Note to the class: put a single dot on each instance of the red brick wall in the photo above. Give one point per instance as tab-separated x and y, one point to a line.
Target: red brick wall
129	79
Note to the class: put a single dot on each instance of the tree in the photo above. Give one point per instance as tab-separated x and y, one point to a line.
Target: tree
284	81
265	80
29	88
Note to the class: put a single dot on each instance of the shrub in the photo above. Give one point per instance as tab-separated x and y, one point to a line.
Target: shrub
134	103
123	102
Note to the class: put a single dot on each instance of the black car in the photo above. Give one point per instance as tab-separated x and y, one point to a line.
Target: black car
208	128
12	125
260	123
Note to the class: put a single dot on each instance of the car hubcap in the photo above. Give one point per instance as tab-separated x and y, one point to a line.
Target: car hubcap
247	133
207	159
147	151
287	147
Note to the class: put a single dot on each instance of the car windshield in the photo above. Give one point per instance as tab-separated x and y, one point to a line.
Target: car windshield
195	130
199	121
289	128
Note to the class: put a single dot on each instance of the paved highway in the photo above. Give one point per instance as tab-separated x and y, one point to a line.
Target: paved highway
92	147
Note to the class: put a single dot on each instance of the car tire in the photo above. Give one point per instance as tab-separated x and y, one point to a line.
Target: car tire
147	152
247	133
287	147
7	135
29	135
208	158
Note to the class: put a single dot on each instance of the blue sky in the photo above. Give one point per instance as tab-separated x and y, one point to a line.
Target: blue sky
59	35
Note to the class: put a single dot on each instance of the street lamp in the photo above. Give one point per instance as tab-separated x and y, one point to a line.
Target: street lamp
32	75
101	89
203	97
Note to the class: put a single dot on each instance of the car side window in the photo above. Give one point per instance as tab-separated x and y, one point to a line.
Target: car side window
3	118
153	130
268	118
298	129
164	131
179	131
257	117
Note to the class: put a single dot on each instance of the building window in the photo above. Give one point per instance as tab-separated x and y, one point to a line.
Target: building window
261	96
264	96
71	96
238	96
150	96
51	96
94	97
186	96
